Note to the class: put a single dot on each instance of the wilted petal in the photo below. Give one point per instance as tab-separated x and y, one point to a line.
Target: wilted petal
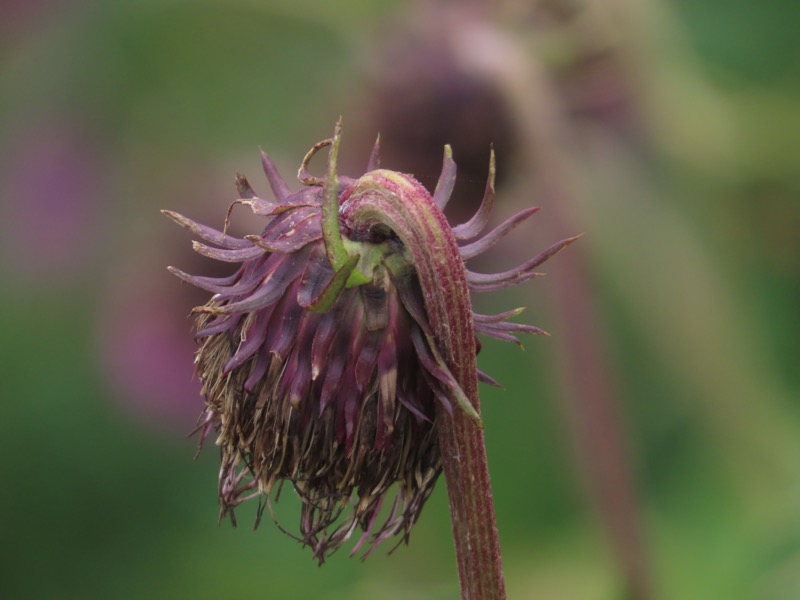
276	183
252	340
206	233
290	231
375	156
243	187
478	282
215	285
285	269
484	378
498	317
218	325
234	256
510	327
521	273
316	276
436	368
490	239
447	180
472	228
410	295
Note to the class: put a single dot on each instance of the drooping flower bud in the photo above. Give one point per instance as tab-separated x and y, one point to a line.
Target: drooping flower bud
320	362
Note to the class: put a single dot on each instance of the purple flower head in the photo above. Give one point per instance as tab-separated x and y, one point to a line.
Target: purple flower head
324	355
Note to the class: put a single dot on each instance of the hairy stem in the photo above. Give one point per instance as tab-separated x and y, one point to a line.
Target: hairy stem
471	509
400	203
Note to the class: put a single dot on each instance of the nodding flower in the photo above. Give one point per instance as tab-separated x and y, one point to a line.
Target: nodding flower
324	355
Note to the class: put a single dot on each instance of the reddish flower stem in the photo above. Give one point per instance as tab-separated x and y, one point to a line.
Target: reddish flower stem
480	569
407	208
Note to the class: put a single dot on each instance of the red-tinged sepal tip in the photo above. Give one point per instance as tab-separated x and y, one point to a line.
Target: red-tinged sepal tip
490	239
447	180
432	360
208	234
498	317
276	183
244	188
484	378
375	156
472	228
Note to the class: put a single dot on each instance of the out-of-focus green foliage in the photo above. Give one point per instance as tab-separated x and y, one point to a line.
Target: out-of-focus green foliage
113	110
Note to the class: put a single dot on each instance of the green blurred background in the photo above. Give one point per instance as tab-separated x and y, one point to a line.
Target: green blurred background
654	439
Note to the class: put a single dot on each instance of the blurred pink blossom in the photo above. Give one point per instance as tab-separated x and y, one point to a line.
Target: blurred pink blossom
51	184
145	351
